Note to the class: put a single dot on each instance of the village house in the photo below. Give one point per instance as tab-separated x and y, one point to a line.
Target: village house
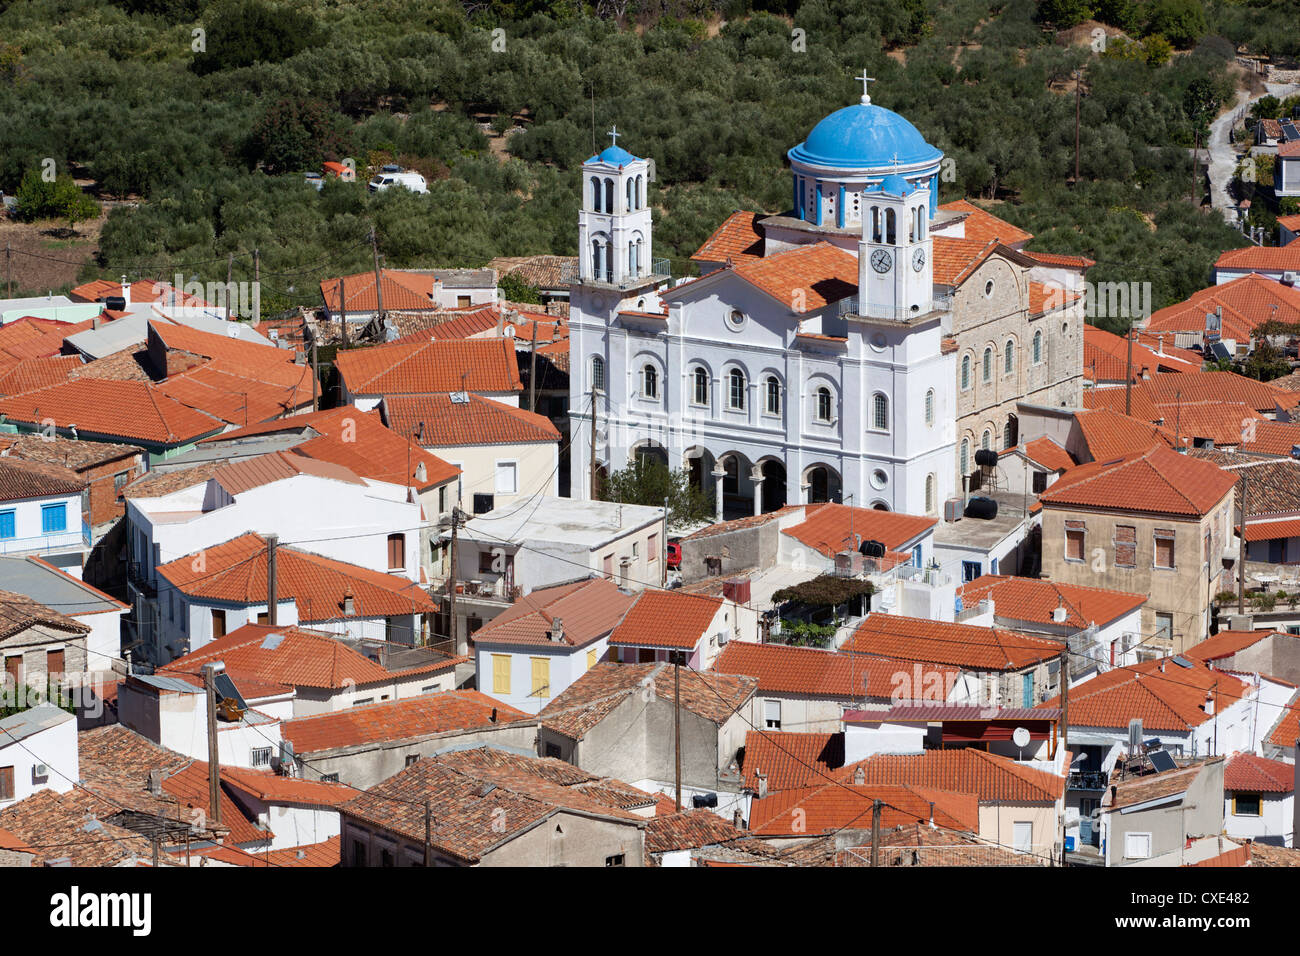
106	468
1171	818
487	367
38	751
537	647
41	513
494	809
368	743
1259	799
661	624
1166	540
354	298
54	588
40	646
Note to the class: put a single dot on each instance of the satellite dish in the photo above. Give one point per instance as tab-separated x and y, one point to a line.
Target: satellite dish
1020	737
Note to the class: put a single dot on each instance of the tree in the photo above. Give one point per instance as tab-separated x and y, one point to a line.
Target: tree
245	32
1181	22
647	481
62	198
294	134
515	289
1064	14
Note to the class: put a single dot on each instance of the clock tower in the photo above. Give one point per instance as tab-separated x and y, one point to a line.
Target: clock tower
895	274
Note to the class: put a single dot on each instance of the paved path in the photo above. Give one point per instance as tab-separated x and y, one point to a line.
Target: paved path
1222	157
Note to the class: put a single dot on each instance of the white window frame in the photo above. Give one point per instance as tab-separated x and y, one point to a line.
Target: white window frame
772	705
513	463
1128	846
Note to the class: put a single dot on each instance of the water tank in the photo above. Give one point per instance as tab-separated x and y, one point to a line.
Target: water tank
702	800
737	590
872	549
984	508
115	303
986	458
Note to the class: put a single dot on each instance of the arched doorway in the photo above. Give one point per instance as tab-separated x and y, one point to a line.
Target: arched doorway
823	484
1011	433
651	451
773	485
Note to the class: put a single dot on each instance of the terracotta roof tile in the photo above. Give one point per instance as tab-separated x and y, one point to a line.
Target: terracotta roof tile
992	778
1247	302
587	610
20	479
984	226
958	645
472	365
814	811
123	410
1049	454
690	830
478	421
1246	771
1036	600
791	761
955	259
25	375
1270	258
235	572
1169	699
805	278
832	528
18	612
1225	644
812	672
1156	481
666	619
246	474
738	239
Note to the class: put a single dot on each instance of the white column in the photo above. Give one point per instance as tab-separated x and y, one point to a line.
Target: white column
756	475
719	475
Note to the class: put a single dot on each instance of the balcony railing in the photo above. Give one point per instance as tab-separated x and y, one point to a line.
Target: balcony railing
46	543
571	273
939	302
1087	780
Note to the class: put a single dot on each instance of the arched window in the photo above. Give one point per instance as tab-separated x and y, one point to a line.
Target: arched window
597	263
631	258
965	371
1008	358
1038	346
988	365
890	232
879	412
595	194
823	404
987	441
650	382
640	259
929	407
1009	433
929	494
609	195
701	387
773	395
598	373
631	194
920	222
875	223
736	389
640	192
965	456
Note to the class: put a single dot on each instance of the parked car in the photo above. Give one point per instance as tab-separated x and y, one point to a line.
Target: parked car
674	555
412	181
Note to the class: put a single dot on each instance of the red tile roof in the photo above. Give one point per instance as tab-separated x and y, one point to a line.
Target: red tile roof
1247	302
1245	771
478	421
690	830
992	778
1287	729
958	645
472	365
1270	438
955	259
235	572
1224	423
181	338
360	442
790	761
738	239
402	291
18	612
812	672
450	712
805	278
586	610
1225	644
300	658
31	338
1169	699
985	226
130	411
1035	600
1157	481
452	324
28	374
1261	258
832	528
1047	453
666	619
142	290
20	479
1056	259
1105	356
1110	434
813	811
1044	298
246	474
272	788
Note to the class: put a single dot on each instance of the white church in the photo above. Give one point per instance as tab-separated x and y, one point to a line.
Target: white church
817	357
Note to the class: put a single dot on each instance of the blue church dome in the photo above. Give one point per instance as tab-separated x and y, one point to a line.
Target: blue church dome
894	185
863	136
614	156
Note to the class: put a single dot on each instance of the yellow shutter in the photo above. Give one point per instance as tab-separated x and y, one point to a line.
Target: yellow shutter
541	677
591	658
500	673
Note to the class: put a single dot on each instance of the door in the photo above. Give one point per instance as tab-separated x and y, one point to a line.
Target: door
1023	836
1027	690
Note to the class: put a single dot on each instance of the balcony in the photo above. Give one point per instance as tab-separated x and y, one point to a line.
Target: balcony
54	542
1087	780
571	274
939	302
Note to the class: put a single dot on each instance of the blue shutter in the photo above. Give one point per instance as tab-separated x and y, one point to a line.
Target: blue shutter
6	524
54	518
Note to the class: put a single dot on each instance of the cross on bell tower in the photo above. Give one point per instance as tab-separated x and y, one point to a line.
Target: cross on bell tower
613	136
864	80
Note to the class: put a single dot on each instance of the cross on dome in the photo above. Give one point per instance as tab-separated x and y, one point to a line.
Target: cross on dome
613	136
864	80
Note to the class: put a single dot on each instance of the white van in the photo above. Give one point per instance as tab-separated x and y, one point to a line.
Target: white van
412	181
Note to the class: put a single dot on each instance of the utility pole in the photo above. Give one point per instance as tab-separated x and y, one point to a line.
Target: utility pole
9	269
876	807
156	839
1196	146
1128	374
663	550
230	274
343	314
315	373
272	540
210	672
532	373
379	291
593	443
1078	85
677	722
1241	549
257	288
451	580
428	835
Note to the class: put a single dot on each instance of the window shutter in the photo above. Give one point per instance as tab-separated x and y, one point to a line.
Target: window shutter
1125	546
1074	534
1164	548
6	783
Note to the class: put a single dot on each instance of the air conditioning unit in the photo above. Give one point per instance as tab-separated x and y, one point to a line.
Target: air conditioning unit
952	509
1289	278
722	638
40	771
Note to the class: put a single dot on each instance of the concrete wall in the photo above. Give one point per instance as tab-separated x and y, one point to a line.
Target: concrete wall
737	550
1275	823
536	470
55	747
566	664
1199	813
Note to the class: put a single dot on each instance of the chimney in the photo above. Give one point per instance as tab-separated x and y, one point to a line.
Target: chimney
932	815
1209	703
349	605
126	292
1059	614
762	784
493	716
557	630
860	776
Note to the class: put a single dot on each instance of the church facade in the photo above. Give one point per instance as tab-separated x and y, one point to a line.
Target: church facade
836	352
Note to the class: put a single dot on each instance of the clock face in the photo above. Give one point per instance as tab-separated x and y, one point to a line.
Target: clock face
918	260
881	261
